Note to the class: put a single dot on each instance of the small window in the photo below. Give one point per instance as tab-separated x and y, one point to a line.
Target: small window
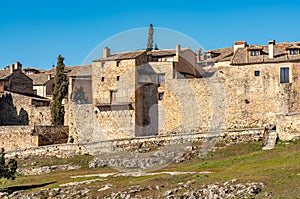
294	51
113	97
118	63
256	73
161	79
284	75
254	52
102	79
102	64
35	91
118	78
160	96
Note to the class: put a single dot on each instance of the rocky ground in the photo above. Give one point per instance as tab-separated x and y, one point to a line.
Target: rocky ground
228	189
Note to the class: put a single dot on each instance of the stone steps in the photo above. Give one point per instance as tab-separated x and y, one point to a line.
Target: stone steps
270	141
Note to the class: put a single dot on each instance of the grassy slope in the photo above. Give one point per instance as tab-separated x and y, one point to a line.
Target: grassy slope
279	169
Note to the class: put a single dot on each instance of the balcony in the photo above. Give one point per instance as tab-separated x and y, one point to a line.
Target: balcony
114	106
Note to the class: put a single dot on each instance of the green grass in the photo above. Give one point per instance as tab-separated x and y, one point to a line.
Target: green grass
279	169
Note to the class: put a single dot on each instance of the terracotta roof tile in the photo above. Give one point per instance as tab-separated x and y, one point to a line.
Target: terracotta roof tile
4	74
39	79
122	56
281	54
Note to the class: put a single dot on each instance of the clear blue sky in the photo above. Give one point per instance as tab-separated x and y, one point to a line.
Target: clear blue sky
34	32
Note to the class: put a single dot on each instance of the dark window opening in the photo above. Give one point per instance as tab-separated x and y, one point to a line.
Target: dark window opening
254	52
294	51
102	79
35	91
118	63
160	96
118	78
284	75
102	64
113	97
161	79
256	73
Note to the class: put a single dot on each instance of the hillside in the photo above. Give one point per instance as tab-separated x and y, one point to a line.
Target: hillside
242	170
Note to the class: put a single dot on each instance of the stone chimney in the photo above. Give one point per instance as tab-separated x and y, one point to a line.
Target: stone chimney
11	68
106	52
178	49
199	52
18	66
271	48
239	44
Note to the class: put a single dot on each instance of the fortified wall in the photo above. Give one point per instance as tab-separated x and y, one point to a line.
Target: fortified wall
23	137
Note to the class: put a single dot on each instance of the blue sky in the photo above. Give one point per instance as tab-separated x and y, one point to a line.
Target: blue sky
35	32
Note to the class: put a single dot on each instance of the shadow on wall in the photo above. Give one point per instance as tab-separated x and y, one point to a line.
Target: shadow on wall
8	112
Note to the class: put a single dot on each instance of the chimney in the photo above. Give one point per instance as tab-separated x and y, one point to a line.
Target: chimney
49	76
12	68
106	52
18	66
199	52
239	44
271	49
178	50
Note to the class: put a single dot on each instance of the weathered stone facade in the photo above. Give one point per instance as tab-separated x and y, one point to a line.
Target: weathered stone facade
231	94
23	137
20	109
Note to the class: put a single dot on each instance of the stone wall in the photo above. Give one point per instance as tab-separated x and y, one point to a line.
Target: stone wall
288	126
22	137
17	137
48	135
114	97
132	144
17	109
228	98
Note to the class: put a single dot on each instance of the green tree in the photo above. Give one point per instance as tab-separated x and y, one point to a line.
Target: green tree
150	38
156	46
79	96
59	92
8	168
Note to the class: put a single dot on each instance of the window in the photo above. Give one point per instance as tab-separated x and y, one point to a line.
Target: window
102	64
256	73
294	51
161	79
102	79
118	78
254	52
284	75
113	97
118	63
160	96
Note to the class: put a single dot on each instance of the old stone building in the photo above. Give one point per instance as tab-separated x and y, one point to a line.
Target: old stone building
178	91
128	88
260	82
13	79
19	105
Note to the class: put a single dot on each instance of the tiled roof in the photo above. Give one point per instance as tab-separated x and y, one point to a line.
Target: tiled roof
122	56
67	70
4	74
38	70
39	79
167	52
281	54
81	71
221	54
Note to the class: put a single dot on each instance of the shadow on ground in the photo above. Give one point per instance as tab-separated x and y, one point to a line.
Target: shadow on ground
12	189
